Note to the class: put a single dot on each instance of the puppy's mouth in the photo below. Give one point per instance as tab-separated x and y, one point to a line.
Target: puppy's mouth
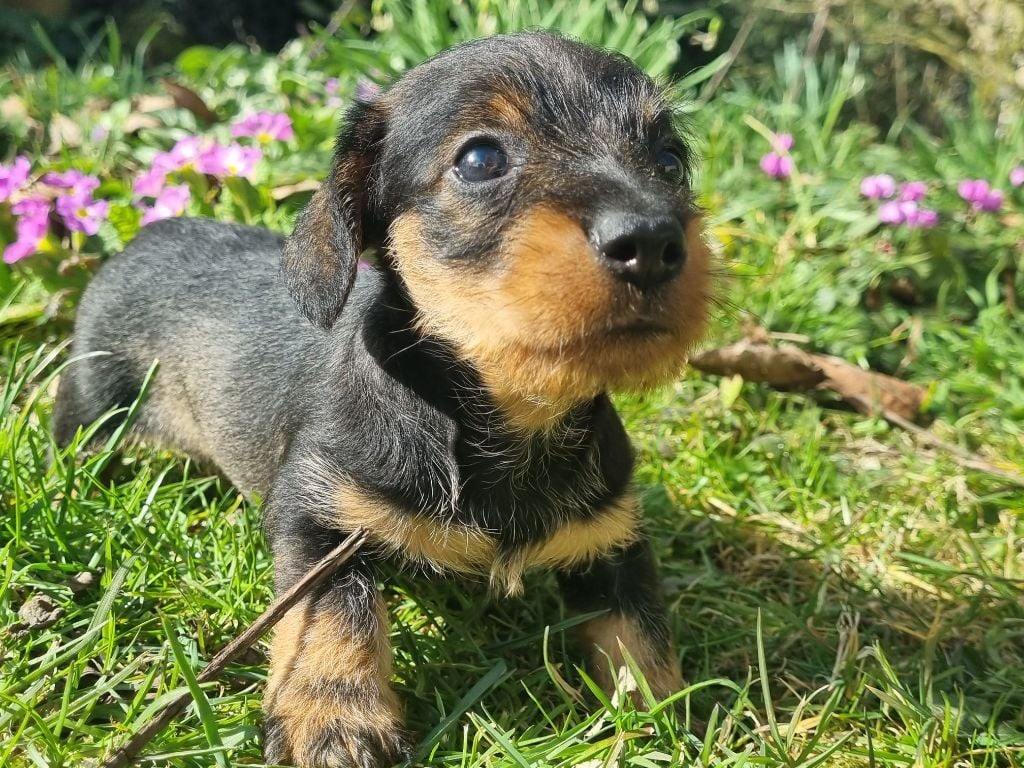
637	327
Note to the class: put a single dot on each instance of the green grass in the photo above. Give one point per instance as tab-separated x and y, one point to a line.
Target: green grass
843	595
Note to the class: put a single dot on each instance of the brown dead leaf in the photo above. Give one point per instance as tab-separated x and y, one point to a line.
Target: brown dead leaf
64	133
869	392
38	612
186	98
285	191
788	367
80	582
784	366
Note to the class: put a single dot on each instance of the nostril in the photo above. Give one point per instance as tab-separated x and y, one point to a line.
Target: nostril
621	251
672	255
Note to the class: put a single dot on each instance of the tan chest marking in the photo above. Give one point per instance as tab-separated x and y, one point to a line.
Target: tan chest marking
472	550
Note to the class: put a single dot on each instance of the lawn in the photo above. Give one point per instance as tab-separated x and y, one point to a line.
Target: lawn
844	592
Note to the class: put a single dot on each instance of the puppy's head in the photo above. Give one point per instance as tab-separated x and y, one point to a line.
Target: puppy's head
532	197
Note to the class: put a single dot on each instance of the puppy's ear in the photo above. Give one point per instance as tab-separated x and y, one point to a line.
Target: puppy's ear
321	256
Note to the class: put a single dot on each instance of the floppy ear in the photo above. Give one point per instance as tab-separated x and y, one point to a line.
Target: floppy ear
322	254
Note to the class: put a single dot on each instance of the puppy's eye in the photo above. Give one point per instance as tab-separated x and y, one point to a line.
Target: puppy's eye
669	163
481	162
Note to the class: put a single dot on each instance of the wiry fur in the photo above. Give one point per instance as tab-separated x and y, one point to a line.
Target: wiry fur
452	400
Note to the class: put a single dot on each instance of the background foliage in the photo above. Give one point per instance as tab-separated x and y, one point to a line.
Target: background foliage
844	593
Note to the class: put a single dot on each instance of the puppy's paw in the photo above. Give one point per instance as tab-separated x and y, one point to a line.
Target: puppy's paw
313	731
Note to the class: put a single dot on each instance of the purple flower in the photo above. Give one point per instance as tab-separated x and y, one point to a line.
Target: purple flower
73	179
31	230
331	86
186	152
878	187
777	166
981	197
14	176
925	218
1017	176
992	202
149	183
908	213
170	202
81	213
232	160
913	191
265	127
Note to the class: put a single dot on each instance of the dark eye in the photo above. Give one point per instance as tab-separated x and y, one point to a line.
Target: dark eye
481	162
669	163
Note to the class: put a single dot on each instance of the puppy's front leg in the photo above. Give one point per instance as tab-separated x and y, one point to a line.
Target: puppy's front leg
329	701
625	583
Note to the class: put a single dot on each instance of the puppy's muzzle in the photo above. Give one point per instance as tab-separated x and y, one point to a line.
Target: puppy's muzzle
644	250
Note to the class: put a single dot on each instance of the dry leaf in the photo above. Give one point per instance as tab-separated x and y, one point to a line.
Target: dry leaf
188	99
869	392
285	191
785	366
63	133
789	367
38	612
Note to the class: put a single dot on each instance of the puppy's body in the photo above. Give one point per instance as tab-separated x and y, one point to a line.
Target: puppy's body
456	408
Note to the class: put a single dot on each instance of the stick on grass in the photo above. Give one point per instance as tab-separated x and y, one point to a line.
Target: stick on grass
317	574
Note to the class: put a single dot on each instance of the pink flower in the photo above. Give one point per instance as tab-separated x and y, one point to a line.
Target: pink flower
913	191
81	213
777	166
265	127
981	197
1017	176
908	213
13	177
149	183
878	187
72	179
170	202
232	160
186	152
992	202
926	218
783	142
31	230
331	86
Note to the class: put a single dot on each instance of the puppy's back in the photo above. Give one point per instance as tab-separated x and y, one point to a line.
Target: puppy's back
207	300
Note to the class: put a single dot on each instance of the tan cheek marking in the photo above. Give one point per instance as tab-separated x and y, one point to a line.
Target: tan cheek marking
604	635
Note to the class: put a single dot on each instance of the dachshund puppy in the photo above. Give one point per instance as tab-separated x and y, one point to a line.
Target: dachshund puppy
537	245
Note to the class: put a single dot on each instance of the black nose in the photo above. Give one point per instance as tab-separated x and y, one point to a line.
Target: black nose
643	250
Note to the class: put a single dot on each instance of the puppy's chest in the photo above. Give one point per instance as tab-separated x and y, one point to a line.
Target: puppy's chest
497	513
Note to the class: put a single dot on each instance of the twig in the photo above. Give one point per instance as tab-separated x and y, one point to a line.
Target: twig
317	574
958	454
733	53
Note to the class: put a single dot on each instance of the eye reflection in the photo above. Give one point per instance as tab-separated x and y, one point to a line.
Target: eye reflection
481	162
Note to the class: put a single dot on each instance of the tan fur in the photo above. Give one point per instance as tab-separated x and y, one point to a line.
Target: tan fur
471	550
538	328
574	543
511	108
313	648
605	637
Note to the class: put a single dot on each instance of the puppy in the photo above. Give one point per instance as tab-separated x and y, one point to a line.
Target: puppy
537	245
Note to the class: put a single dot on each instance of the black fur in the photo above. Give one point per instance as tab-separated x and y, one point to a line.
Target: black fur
264	369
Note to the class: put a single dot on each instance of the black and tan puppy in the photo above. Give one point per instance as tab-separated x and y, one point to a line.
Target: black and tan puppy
538	246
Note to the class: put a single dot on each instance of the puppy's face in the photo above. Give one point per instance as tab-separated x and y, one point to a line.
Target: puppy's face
532	196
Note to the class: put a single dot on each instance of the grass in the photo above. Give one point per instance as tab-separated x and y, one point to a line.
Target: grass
842	595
